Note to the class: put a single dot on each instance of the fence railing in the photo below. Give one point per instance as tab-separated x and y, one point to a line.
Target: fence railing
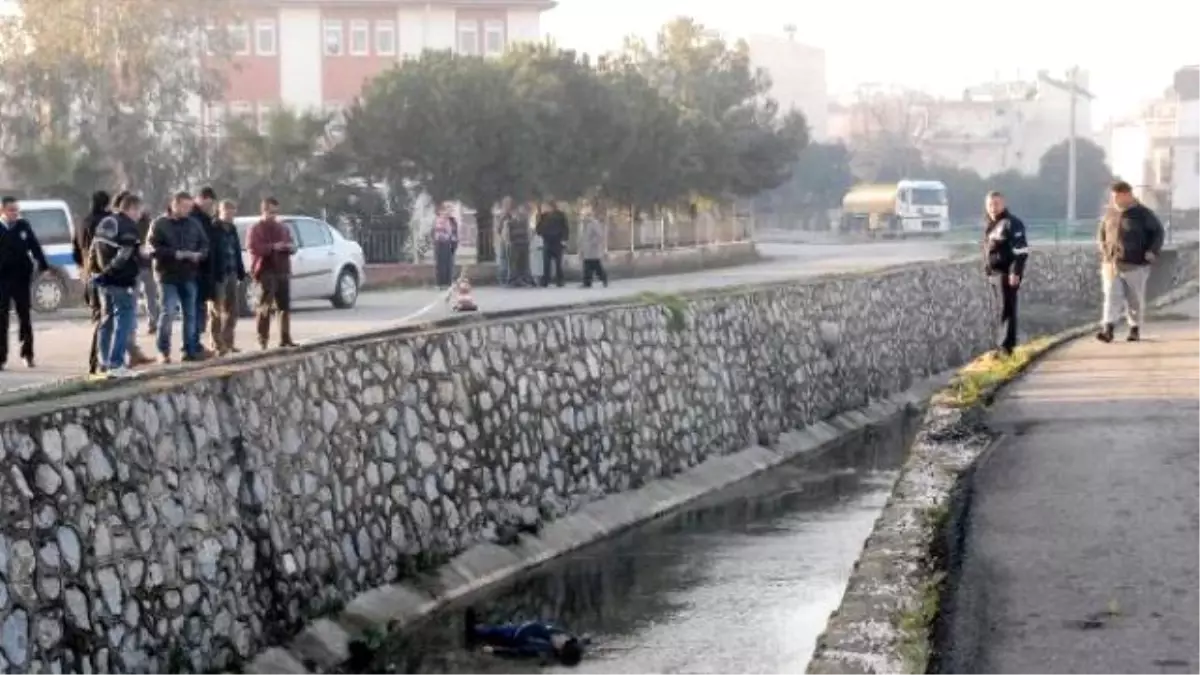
386	240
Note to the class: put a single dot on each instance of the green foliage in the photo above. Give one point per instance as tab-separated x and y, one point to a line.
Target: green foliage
290	159
819	180
641	129
674	308
111	81
976	381
1041	196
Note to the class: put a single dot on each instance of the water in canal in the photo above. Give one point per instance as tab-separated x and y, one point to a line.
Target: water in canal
742	583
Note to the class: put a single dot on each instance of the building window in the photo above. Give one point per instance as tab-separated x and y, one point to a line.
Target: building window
493	37
242	112
264	118
264	37
333	38
468	38
239	39
385	38
360	32
214	119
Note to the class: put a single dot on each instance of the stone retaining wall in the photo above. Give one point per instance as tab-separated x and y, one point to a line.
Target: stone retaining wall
168	526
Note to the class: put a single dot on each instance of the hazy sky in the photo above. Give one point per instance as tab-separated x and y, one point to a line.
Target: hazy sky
1130	48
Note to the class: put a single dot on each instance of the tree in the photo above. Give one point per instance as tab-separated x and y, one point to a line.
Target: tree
819	180
117	76
736	142
569	120
1093	178
888	126
289	160
647	150
451	125
62	168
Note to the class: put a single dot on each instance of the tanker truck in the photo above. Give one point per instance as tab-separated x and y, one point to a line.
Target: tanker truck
906	208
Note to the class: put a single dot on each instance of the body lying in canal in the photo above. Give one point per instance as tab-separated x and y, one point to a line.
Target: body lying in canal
527	639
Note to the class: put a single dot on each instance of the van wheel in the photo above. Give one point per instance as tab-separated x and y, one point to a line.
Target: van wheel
345	294
49	292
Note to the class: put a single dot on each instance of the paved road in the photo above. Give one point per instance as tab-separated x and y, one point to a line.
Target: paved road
61	344
1081	550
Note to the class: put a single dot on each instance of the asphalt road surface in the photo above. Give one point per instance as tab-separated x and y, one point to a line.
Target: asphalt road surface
1081	551
61	342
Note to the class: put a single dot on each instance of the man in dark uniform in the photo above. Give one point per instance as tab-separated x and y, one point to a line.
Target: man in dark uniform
1005	250
19	250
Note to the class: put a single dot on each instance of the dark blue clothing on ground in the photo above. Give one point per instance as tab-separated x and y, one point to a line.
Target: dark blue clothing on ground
526	639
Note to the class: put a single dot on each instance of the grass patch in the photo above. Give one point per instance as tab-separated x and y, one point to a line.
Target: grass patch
673	306
916	623
979	378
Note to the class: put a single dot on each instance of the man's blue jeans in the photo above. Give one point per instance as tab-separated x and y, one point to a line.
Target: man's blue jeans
178	297
502	272
118	312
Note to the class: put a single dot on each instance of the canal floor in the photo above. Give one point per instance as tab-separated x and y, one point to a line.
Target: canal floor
743	582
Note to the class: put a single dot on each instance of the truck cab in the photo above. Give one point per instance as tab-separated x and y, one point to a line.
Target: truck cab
904	208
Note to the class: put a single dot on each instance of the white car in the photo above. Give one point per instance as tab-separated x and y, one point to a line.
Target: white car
326	265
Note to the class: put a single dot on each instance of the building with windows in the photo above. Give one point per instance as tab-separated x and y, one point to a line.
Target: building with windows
317	54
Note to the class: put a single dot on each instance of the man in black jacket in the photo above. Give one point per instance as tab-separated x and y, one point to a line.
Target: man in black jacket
1130	239
202	213
113	261
1005	250
19	250
180	248
553	229
228	272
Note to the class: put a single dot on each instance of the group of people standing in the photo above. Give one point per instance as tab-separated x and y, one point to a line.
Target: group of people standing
513	241
1129	236
186	262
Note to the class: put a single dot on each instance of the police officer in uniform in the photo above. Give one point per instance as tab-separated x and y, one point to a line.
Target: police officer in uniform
1005	250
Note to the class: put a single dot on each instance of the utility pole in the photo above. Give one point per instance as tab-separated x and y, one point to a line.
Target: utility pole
1071	174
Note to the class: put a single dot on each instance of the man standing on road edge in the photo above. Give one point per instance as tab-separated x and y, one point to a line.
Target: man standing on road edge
135	354
202	212
113	260
19	249
80	248
552	227
179	248
1130	238
271	249
1005	250
228	272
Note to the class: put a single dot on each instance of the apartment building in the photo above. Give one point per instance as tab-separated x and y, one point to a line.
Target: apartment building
317	54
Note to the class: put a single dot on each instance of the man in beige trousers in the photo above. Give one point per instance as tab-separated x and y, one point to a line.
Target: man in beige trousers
1130	238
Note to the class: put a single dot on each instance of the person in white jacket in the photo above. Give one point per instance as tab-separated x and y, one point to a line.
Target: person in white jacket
592	246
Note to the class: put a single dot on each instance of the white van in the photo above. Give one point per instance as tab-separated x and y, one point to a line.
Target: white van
51	222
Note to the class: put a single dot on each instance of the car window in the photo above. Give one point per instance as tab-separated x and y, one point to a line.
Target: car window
312	233
51	226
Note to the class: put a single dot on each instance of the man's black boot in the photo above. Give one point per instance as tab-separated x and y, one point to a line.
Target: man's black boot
1106	333
1135	334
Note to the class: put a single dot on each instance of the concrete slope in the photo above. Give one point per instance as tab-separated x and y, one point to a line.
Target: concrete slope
1081	548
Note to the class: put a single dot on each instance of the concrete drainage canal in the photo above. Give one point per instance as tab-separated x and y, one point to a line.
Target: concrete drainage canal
743	580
